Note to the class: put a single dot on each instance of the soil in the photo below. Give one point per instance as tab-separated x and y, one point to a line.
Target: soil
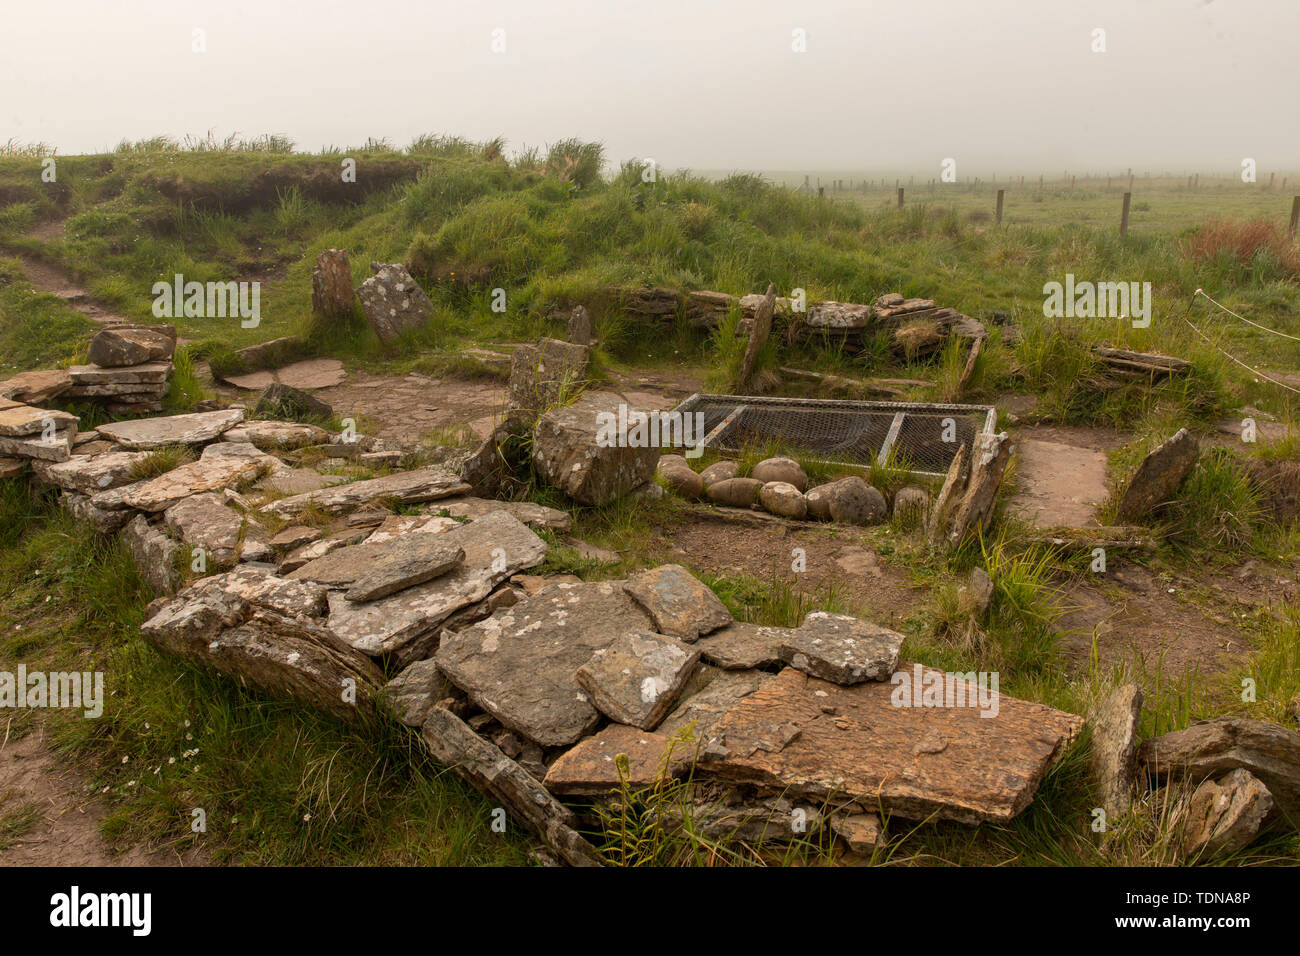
67	831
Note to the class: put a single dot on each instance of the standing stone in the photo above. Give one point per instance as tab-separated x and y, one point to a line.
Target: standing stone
758	333
579	326
331	285
577	450
1224	815
680	604
1159	475
393	302
636	680
842	649
542	376
155	555
1114	748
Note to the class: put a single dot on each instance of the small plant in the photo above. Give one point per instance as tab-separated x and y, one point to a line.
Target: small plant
159	461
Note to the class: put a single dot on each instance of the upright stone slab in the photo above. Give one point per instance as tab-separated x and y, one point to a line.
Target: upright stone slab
1159	476
520	665
331	285
582	451
541	376
393	302
1114	747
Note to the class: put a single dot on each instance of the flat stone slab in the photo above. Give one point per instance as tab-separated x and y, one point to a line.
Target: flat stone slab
90	474
251	381
397	526
194	429
703	709
521	664
206	474
842	649
204	521
742	646
811	738
406	623
637	678
407	487
1058	485
535	516
421	559
35	446
300	481
154	373
23	420
414	692
589	769
679	604
312	373
275	435
37	386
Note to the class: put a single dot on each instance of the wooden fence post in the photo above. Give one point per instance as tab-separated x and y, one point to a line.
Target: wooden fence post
1295	215
1000	192
900	197
1123	216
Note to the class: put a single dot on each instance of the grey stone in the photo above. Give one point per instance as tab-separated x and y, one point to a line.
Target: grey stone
407	487
853	501
150	373
294	536
281	401
115	347
842	649
332	296
90	474
980	591
421	559
271	435
1158	477
818	501
567	452
740	646
589	768
703	709
679	604
414	692
579	326
682	480
636	679
1224	815
154	553
540	377
719	471
784	499
203	521
911	506
534	515
192	478
194	429
781	469
520	665
393	302
1114	747
19	421
734	492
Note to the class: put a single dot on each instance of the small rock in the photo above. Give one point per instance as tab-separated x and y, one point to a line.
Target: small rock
720	471
734	492
680	605
853	501
636	680
281	401
842	649
980	591
911	506
784	499
781	469
1224	815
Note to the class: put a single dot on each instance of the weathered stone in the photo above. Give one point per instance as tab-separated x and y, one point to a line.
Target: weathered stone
818	501
155	554
484	765
194	429
281	401
759	329
853	501
781	469
990	455
734	492
406	624
393	302
414	692
37	386
192	478
719	471
568	452
116	347
579	326
12	467
636	679
520	664
702	710
408	487
979	591
949	497
1158	477
784	499
89	474
397	526
103	521
679	604
756	819
421	559
299	481
809	738
266	631
681	479
1209	747
842	649
203	521
839	316
275	436
331	285
861	831
534	515
307	553
125	392
22	420
911	506
740	646
294	536
1224	815
312	373
589	768
1114	747
150	373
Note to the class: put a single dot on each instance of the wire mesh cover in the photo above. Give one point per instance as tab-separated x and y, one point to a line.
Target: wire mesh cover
922	438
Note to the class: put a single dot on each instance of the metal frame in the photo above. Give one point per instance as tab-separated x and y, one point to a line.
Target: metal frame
717	436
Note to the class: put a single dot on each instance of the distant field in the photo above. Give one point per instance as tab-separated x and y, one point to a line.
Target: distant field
1165	204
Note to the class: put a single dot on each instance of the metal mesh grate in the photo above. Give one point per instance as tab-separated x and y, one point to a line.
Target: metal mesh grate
922	438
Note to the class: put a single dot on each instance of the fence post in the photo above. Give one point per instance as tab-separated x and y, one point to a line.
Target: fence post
1000	192
900	197
1295	214
1123	216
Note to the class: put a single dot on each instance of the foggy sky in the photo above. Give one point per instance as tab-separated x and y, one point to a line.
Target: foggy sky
884	85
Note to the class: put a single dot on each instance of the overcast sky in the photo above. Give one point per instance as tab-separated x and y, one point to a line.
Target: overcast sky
889	85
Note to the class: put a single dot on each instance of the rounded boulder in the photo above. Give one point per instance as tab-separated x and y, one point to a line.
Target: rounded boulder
735	492
853	501
781	469
683	481
719	471
784	499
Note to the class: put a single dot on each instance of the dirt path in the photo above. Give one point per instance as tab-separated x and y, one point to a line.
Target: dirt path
60	821
50	279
